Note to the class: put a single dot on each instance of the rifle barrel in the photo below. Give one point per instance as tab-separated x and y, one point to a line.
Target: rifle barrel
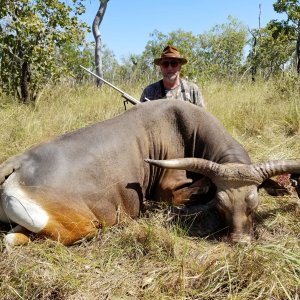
124	95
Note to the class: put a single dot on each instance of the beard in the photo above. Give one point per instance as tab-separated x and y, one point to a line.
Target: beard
171	76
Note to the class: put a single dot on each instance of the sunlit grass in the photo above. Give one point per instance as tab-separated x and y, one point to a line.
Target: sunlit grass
257	116
60	110
151	258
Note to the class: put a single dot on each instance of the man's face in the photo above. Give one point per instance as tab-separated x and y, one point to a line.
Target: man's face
170	68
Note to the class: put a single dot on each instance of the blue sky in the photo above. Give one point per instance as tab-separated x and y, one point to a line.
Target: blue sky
127	24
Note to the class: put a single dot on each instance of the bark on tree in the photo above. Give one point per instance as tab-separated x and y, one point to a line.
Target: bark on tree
24	82
255	36
96	32
298	50
253	53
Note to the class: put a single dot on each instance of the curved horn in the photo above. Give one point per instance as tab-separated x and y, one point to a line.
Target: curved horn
236	172
277	167
196	165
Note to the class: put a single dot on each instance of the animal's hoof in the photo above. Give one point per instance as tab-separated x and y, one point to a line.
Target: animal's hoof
16	239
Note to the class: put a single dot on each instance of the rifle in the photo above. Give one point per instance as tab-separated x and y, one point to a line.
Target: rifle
127	97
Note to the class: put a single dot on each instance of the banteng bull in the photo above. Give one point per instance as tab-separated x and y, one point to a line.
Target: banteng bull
68	188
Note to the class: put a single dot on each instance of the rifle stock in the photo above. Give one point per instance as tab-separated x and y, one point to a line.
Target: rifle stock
129	98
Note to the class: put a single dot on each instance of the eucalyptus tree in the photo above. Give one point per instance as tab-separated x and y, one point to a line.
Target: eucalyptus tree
32	34
98	45
292	23
273	51
221	50
277	44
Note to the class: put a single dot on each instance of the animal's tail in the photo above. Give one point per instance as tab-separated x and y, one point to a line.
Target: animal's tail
9	166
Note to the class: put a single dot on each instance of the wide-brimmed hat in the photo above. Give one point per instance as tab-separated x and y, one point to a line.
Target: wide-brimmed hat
170	52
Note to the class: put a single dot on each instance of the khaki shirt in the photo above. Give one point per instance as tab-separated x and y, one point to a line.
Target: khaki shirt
186	91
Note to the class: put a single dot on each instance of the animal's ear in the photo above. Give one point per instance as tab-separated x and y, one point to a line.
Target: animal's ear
273	188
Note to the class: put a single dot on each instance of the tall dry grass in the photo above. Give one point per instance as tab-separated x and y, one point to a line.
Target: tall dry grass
58	110
151	258
262	117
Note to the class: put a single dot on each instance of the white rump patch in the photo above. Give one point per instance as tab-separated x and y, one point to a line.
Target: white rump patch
21	209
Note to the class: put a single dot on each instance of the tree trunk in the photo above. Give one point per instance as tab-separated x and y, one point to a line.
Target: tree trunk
298	50
24	82
253	67
96	32
253	54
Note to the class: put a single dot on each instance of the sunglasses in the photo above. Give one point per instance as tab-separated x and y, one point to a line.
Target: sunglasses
172	63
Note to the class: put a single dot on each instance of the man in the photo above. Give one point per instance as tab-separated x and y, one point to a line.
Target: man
172	86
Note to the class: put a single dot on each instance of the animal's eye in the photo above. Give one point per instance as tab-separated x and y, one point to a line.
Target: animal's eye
223	200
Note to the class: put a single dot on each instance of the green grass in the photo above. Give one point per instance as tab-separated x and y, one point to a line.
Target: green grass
151	258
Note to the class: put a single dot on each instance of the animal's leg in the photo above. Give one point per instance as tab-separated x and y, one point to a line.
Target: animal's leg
69	224
179	189
48	213
188	194
65	232
20	209
70	231
54	219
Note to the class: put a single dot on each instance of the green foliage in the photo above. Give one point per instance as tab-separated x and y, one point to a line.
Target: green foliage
214	54
277	46
292	25
109	63
221	50
32	36
71	57
273	50
290	7
44	41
